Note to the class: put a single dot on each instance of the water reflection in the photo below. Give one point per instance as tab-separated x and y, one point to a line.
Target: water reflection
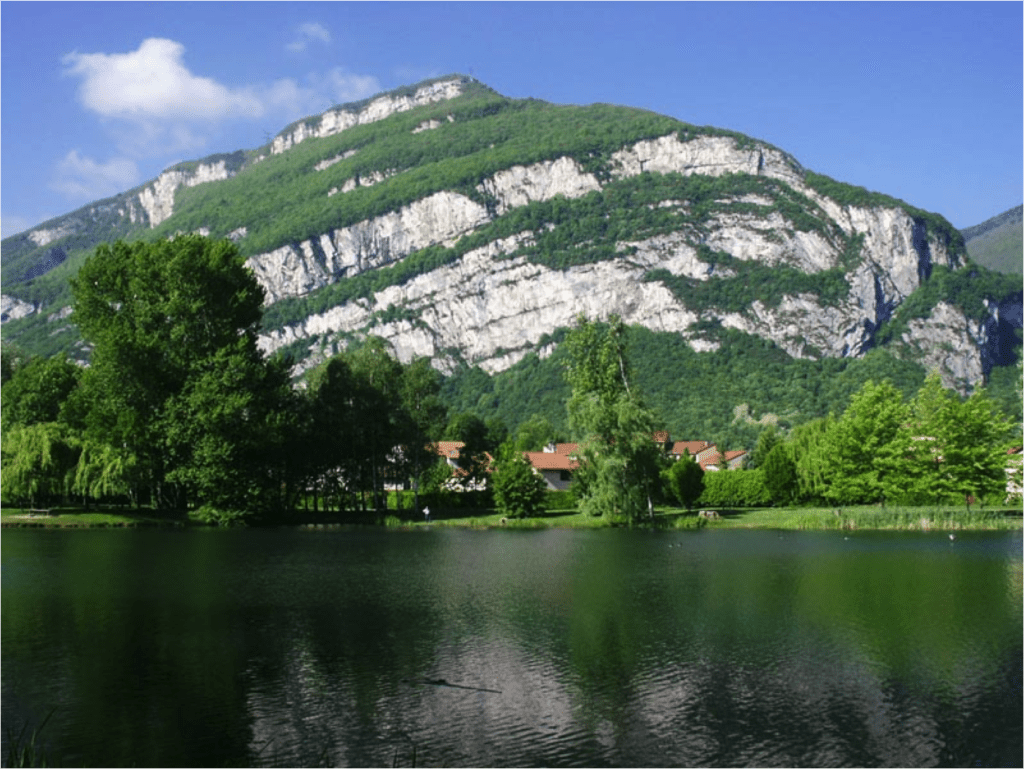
608	648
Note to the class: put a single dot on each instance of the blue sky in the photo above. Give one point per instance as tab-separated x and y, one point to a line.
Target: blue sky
921	101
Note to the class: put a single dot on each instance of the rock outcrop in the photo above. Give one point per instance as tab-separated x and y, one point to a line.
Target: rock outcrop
495	309
157	200
12	308
337	120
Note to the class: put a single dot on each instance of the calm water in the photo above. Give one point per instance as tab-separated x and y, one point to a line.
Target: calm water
601	648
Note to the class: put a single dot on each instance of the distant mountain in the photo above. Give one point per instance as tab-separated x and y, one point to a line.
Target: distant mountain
472	228
998	243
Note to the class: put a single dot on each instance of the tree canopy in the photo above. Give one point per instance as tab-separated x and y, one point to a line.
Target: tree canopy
619	460
176	380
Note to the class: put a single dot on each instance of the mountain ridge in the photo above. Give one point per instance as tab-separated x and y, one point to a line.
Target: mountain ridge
998	242
466	227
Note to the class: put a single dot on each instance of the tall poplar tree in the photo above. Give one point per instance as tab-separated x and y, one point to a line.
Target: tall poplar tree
619	460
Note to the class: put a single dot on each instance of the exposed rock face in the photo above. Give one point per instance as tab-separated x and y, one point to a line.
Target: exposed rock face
158	199
950	343
296	270
336	121
492	305
709	155
324	164
361	181
765	239
520	185
42	237
495	309
12	309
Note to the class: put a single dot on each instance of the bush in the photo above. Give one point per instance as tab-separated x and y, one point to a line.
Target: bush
519	492
215	516
560	500
735	488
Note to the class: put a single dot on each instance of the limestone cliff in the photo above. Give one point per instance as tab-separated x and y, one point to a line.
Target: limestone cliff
157	200
494	309
337	120
464	226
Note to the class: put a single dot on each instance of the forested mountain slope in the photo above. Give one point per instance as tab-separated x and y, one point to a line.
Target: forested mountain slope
997	243
471	228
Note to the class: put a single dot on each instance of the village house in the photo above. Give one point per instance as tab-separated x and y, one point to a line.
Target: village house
452	453
557	461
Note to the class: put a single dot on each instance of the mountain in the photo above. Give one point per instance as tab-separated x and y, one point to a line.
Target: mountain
997	243
473	229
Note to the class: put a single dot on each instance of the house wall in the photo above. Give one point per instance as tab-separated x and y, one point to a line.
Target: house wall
553	479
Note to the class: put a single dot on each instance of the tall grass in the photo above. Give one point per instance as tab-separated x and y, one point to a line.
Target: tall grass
27	752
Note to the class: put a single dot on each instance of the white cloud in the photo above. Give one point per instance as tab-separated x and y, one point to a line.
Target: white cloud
83	178
152	82
307	33
152	105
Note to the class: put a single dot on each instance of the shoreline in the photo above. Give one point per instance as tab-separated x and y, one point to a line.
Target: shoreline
859	518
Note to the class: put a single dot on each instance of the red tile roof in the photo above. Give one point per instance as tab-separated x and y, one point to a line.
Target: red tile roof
690	447
545	460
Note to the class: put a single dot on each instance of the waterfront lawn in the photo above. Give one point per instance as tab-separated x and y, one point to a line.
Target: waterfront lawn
871	517
79	517
868	517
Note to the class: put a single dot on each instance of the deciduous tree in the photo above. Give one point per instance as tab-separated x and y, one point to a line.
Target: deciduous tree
518	490
619	461
949	449
857	444
686	480
176	379
780	477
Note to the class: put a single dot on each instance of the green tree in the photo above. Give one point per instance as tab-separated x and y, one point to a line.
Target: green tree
11	359
175	366
472	431
808	449
378	416
423	419
518	490
857	444
685	479
949	448
331	458
619	461
535	433
780	476
767	440
37	462
38	389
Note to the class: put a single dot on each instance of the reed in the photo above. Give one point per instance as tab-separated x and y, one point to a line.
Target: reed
27	752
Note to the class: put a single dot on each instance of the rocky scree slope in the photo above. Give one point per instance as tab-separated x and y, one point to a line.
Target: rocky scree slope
467	227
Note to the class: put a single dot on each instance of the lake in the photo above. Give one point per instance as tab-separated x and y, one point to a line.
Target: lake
369	647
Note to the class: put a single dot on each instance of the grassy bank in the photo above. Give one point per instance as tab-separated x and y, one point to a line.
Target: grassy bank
871	517
79	517
790	518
